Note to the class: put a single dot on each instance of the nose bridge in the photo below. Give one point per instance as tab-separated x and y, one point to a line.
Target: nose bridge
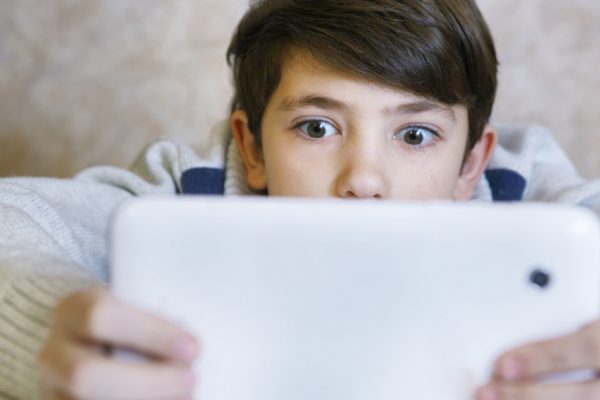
364	155
363	174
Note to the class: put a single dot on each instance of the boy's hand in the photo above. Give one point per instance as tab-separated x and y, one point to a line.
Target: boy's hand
517	371
74	362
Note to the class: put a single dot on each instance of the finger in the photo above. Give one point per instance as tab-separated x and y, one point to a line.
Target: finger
532	391
102	378
99	317
78	372
579	350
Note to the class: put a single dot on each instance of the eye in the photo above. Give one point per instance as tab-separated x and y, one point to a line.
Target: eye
417	136
317	129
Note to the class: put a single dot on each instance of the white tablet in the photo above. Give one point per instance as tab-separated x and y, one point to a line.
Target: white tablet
356	300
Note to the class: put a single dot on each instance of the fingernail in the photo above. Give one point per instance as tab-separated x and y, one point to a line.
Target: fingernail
186	349
488	393
511	368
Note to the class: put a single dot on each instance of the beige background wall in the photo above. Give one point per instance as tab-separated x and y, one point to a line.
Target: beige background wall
90	82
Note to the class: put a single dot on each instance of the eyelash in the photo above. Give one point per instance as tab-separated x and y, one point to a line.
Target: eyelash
297	128
434	141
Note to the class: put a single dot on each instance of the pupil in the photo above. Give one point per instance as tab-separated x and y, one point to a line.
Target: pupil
316	130
414	137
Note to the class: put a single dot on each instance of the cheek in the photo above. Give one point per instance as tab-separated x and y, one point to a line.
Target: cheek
425	187
429	180
437	187
293	171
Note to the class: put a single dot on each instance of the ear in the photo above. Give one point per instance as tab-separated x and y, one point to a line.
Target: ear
475	164
252	158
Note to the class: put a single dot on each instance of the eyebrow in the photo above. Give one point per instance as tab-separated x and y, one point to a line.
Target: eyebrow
315	100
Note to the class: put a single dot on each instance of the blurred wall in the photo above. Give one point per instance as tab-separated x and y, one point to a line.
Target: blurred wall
91	82
549	52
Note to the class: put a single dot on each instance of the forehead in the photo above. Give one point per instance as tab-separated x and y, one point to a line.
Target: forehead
305	81
301	68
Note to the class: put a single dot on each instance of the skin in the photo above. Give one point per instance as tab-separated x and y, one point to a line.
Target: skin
518	373
366	150
377	143
73	364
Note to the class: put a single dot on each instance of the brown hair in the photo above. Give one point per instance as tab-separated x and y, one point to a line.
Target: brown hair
438	49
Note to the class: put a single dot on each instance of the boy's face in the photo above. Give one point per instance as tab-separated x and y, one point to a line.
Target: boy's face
326	134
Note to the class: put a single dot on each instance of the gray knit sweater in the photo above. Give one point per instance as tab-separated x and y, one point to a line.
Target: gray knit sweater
53	232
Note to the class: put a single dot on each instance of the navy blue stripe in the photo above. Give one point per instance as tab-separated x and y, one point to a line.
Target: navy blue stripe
203	181
506	185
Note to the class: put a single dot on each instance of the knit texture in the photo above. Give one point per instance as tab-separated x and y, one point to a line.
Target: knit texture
54	233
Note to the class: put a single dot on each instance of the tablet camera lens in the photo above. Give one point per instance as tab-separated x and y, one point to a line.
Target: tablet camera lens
539	279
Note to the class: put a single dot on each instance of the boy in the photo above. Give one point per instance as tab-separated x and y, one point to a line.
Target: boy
352	99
